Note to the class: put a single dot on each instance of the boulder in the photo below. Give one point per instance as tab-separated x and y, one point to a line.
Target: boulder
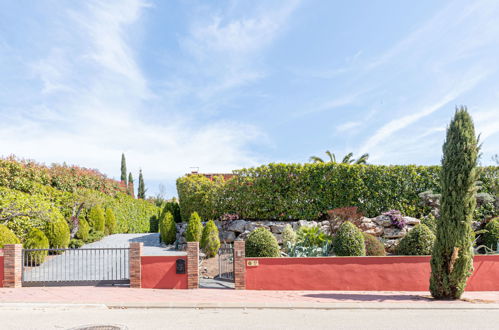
411	221
391	245
228	237
250	226
277	228
390	233
383	220
237	226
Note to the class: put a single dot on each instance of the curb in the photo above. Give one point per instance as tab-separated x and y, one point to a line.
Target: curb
20	305
323	306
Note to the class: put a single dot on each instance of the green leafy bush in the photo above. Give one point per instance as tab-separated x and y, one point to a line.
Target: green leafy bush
110	226
373	246
97	219
262	244
57	233
194	229
288	238
174	208
349	241
307	191
95	236
7	236
311	236
36	239
167	229
83	230
431	222
76	243
154	224
491	237
418	242
210	241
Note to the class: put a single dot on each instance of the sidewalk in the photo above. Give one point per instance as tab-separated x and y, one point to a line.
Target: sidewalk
122	297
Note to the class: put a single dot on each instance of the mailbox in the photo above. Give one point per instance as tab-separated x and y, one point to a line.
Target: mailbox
180	263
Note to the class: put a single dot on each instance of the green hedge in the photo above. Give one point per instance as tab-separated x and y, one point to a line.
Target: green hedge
305	191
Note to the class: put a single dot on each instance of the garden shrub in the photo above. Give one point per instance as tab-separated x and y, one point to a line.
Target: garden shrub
95	236
167	229
97	219
174	208
154	224
307	191
110	226
418	242
339	215
76	243
431	222
262	244
491	237
374	247
7	236
83	230
36	239
194	229
349	241
210	241
57	233
311	237
288	238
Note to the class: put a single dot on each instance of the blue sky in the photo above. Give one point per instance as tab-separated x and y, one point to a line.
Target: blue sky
222	85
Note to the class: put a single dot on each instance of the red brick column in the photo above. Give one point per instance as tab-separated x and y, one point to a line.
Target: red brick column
192	265
135	255
239	265
12	265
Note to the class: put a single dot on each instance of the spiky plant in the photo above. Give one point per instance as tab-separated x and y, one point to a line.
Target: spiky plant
452	257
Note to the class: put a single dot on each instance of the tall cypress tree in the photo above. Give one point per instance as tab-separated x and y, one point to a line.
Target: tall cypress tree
141	190
452	257
123	170
131	190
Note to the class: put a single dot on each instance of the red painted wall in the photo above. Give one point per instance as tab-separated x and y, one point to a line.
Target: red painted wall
359	274
159	272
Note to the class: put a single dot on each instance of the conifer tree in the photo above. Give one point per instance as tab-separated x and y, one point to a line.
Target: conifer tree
131	190
123	170
452	257
141	192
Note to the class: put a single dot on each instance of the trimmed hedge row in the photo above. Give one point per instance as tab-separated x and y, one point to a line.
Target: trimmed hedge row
306	191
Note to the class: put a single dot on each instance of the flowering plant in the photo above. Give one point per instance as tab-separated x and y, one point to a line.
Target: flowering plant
396	218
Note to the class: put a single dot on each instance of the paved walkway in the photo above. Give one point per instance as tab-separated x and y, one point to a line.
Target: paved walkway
127	297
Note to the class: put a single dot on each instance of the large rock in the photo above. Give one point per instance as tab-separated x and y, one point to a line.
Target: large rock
228	237
250	226
391	245
383	220
237	226
411	221
277	228
391	233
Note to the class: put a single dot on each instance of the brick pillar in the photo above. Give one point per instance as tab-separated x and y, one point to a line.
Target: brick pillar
135	254
192	265
239	265
12	265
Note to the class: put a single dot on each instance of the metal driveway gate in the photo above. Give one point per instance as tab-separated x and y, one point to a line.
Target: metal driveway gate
226	262
84	266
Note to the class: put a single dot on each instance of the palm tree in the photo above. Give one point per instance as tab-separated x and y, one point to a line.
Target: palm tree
348	159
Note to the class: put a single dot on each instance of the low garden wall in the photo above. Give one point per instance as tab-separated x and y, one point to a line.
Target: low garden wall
159	272
1	268
397	273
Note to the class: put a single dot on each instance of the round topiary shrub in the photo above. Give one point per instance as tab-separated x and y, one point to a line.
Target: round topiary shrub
36	239
58	233
349	241
167	228
491	237
76	243
110	226
373	246
194	229
262	244
83	230
97	219
7	236
210	242
418	242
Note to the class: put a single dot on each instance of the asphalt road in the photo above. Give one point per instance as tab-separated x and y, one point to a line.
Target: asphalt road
181	318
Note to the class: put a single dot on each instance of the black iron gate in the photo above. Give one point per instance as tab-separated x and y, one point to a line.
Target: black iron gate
226	262
84	266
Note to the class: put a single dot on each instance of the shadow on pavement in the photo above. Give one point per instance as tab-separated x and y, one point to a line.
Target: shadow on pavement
368	297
